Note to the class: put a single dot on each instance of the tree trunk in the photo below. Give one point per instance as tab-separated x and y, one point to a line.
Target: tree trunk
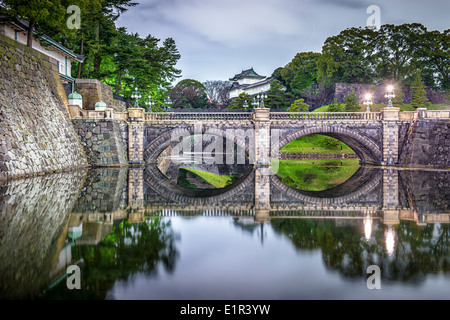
80	63
30	33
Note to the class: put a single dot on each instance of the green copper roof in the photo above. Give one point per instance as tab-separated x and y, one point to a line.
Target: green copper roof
250	73
100	104
75	95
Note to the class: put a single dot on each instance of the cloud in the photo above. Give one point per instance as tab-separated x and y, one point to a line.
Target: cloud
217	38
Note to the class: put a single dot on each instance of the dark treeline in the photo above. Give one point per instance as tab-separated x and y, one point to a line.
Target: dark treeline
118	58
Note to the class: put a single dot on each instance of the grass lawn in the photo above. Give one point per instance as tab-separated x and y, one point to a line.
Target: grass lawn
316	175
216	180
316	143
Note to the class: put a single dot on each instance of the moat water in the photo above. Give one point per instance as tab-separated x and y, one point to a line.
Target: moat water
135	233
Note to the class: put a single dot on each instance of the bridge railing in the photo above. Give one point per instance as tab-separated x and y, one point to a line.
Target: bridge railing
437	114
407	115
156	116
325	116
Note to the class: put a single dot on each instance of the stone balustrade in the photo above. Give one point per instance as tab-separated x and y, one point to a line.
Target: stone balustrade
437	114
325	115
139	114
156	116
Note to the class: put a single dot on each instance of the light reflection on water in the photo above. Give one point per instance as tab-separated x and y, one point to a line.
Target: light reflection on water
135	237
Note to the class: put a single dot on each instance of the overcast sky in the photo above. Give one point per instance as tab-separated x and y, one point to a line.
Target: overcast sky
219	38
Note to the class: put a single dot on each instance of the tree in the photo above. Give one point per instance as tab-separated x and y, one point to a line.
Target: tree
217	92
336	106
418	93
434	58
397	50
239	102
352	103
301	72
277	97
188	94
398	100
346	57
36	12
298	106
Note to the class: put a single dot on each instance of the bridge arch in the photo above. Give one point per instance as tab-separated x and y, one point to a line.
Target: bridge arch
155	147
361	183
170	190
366	149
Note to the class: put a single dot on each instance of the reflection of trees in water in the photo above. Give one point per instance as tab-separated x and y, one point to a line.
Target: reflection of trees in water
128	250
418	250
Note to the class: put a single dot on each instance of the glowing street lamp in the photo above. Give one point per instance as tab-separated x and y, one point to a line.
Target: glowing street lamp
245	105
368	102
136	95
390	94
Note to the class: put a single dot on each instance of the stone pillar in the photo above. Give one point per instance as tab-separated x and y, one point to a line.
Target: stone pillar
262	136
135	188
422	113
390	135
262	194
390	197
136	135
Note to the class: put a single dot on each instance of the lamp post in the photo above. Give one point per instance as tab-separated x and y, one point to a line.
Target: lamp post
245	105
255	102
368	102
149	103
136	95
263	96
390	94
167	104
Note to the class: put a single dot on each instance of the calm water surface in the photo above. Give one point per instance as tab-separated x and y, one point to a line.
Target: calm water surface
136	234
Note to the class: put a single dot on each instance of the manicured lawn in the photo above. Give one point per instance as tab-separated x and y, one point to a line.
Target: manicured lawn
316	143
216	180
316	175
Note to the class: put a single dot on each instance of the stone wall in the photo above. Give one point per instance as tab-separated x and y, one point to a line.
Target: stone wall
94	91
103	141
36	135
427	143
34	217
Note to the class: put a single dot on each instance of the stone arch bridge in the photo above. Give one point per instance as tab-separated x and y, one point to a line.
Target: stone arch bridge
378	138
388	137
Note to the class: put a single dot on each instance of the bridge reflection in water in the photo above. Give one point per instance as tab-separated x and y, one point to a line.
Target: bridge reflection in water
45	217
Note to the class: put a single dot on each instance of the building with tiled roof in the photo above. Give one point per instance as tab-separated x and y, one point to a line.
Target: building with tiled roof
248	81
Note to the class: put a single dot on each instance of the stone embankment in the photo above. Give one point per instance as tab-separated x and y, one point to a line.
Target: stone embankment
36	135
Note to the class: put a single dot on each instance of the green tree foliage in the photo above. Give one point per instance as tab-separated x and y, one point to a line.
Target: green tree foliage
345	57
137	62
238	103
418	93
396	50
352	103
397	101
434	58
188	94
277	97
298	106
301	72
112	55
36	12
336	106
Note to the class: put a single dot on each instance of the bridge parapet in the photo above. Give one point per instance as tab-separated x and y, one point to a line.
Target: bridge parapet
325	115
157	116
